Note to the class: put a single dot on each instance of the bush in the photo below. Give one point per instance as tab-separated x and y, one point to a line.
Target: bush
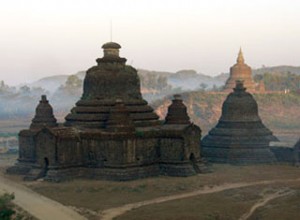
6	207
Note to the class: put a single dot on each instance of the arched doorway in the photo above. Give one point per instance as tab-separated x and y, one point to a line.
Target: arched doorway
45	168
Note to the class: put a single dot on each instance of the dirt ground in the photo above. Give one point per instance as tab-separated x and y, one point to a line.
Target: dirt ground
240	203
92	197
36	205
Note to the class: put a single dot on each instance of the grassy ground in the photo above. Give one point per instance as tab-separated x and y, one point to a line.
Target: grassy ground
230	204
100	195
287	207
226	205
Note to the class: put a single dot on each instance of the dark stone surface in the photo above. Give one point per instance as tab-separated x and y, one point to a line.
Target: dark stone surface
177	113
112	133
297	153
110	80
43	115
119	119
284	154
240	137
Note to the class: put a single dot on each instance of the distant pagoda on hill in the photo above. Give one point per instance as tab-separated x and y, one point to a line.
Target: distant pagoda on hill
240	71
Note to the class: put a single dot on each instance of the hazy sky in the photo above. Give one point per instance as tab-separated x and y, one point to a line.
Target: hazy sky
41	38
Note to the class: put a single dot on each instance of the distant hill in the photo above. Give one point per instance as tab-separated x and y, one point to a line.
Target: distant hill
191	80
184	79
278	69
19	101
52	83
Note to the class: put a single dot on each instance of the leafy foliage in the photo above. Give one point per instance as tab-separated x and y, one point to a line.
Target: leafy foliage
279	81
6	208
154	81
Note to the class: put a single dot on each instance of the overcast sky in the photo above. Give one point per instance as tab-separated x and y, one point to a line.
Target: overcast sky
42	38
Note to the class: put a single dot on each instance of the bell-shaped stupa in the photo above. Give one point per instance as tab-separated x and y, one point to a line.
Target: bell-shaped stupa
177	113
43	115
240	71
240	136
110	80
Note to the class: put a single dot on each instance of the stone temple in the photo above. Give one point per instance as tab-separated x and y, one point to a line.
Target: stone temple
112	133
240	71
240	137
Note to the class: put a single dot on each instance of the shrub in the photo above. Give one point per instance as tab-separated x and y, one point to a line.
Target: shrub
6	208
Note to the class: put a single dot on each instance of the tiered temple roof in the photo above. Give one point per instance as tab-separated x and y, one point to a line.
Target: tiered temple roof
99	96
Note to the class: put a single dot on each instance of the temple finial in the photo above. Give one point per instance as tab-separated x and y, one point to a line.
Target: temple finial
240	58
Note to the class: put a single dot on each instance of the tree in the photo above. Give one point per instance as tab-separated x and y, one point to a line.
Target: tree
73	82
6	207
3	87
203	86
25	90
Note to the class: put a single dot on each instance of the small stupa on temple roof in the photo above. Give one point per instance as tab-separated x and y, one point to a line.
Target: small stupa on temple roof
240	71
177	112
240	137
43	115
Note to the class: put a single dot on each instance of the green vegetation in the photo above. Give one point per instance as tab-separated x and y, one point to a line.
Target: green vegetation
8	134
6	207
71	87
154	81
279	81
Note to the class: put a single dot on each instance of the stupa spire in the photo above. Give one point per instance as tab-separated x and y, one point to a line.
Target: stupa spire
240	58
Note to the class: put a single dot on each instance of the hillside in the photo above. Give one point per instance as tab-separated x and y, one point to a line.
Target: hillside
277	69
185	79
278	111
64	90
52	83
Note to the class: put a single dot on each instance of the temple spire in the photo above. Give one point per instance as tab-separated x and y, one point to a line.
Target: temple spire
240	58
